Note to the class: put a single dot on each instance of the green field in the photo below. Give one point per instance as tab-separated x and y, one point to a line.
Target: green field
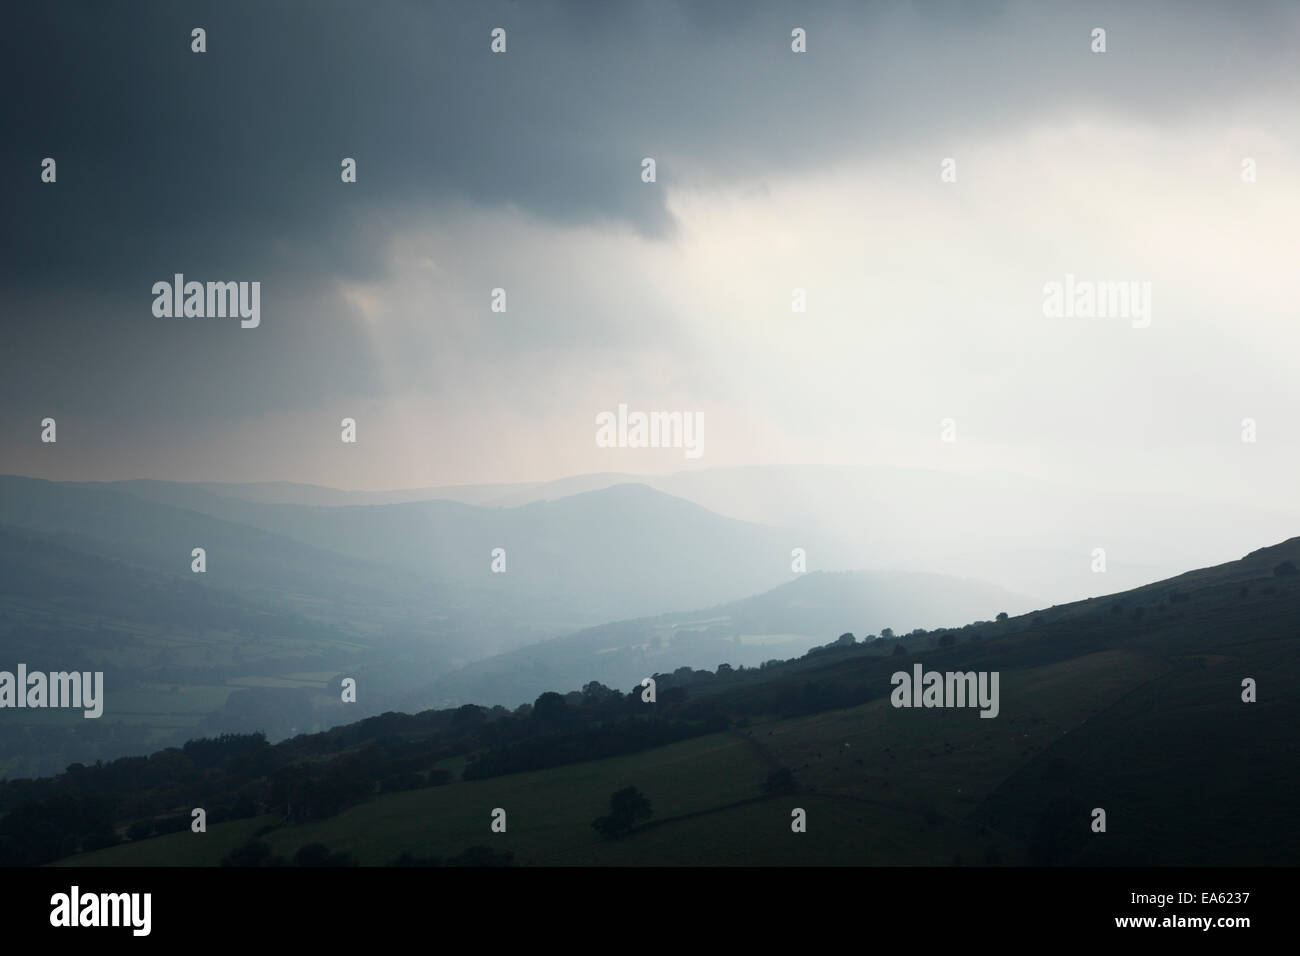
879	785
1131	704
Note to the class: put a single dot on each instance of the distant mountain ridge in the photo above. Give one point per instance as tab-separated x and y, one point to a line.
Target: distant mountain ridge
582	559
784	622
1028	535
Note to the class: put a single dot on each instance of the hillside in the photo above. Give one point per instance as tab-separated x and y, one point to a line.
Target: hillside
784	622
295	597
1131	703
573	562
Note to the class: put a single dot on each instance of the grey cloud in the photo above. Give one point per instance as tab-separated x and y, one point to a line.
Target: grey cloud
230	160
225	165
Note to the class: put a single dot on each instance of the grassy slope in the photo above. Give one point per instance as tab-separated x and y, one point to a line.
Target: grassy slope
1142	717
704	791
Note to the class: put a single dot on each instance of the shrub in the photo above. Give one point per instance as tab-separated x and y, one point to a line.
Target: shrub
779	781
626	807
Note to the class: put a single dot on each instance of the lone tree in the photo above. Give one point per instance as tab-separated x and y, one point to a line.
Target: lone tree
626	807
780	781
1002	615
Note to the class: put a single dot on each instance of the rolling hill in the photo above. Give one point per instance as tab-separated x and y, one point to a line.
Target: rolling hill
295	597
572	562
1131	703
784	622
1028	535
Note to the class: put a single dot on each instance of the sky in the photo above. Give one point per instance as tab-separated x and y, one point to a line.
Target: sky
775	171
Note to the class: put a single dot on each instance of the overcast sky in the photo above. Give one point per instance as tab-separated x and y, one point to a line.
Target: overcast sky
775	170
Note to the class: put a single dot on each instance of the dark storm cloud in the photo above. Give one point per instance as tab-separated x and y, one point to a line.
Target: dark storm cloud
226	165
230	160
222	159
